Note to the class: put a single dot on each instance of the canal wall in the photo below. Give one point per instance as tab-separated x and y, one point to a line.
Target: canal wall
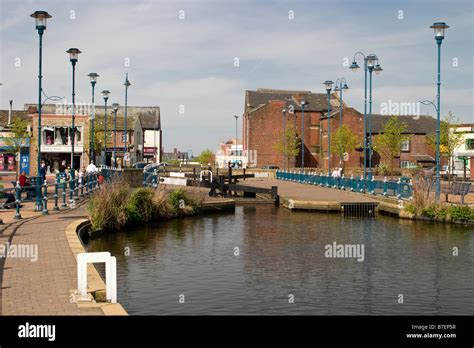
96	285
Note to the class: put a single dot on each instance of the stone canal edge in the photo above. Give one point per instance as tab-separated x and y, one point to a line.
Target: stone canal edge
44	282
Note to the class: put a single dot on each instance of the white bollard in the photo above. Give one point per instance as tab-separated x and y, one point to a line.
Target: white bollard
110	274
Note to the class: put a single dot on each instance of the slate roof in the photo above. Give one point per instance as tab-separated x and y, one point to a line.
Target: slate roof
422	125
316	101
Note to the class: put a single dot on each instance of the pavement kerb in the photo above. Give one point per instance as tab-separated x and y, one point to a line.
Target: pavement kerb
94	280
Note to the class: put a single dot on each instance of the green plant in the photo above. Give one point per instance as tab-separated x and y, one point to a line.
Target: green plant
410	208
140	206
429	211
107	207
180	203
382	169
461	213
391	138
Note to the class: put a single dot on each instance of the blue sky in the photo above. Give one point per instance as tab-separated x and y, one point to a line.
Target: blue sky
190	61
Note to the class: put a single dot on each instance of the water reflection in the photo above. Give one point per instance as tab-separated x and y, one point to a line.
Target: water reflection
282	253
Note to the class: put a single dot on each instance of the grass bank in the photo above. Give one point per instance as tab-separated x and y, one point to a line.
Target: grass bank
117	205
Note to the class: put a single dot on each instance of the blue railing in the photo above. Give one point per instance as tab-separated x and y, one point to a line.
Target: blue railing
65	193
389	188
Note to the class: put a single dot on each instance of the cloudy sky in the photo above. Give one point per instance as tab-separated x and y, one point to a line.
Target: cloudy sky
181	55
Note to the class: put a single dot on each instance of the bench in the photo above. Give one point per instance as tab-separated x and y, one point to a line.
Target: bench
460	188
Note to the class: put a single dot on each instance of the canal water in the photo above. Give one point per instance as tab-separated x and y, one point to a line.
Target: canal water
282	268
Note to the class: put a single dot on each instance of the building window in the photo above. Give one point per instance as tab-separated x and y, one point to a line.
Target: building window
407	164
469	144
405	145
56	135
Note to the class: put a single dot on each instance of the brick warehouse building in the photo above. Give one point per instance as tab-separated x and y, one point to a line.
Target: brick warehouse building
263	127
263	124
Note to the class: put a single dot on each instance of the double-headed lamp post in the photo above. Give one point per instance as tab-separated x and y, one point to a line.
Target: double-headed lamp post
105	94
126	84
115	108
328	84
93	77
370	64
73	57
40	23
439	28
340	85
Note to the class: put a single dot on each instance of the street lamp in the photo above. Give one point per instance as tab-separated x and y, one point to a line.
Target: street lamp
73	57
40	23
439	28
284	136
303	103
93	77
105	94
370	64
126	84
115	107
328	84
236	132
341	85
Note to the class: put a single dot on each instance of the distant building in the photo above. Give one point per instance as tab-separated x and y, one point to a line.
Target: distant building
231	152
464	153
175	155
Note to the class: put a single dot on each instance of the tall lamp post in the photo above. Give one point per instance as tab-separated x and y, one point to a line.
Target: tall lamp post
284	136
105	94
236	131
328	84
372	65
439	28
73	57
303	104
340	85
40	22
126	84
368	60
93	77
115	106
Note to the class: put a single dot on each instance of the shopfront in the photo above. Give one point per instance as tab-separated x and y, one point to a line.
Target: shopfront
9	159
56	147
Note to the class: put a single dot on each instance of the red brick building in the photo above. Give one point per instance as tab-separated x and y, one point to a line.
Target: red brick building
263	124
263	129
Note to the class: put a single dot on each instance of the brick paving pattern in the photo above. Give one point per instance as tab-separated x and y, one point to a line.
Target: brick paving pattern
41	287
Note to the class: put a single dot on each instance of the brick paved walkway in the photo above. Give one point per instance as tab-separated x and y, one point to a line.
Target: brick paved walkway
305	192
41	287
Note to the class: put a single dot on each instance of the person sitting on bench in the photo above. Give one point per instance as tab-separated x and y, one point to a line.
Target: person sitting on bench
25	185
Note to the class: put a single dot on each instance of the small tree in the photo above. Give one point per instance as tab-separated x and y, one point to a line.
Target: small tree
391	138
449	140
18	136
344	140
293	145
206	157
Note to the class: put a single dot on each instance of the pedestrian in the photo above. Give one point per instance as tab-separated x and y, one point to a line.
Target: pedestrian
63	166
43	172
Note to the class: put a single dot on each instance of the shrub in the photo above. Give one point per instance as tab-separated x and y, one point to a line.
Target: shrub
107	207
429	211
140	206
382	169
410	208
461	213
181	204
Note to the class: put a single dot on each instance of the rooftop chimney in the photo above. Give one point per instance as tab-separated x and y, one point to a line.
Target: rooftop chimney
10	112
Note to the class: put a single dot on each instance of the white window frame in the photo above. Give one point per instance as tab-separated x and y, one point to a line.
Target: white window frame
405	146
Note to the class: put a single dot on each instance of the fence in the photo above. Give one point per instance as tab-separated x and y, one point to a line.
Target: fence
80	187
389	188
